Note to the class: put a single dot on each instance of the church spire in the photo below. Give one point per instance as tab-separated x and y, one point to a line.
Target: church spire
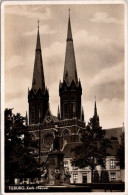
58	113
38	45
70	71
70	89
95	108
38	73
69	33
82	117
26	119
38	96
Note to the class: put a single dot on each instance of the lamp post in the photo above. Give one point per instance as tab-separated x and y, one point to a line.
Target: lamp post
39	135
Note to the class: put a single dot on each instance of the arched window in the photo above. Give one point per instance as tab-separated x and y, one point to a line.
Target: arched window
66	134
48	140
32	114
80	134
66	110
73	108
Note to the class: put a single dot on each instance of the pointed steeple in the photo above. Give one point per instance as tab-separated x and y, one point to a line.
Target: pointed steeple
82	117
69	33
96	121
58	113
38	45
70	71
38	73
26	121
38	96
95	108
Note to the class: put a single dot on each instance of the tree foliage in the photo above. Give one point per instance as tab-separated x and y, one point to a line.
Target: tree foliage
121	153
19	147
96	176
93	148
104	176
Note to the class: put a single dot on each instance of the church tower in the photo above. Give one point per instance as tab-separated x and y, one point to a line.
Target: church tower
38	96
70	89
96	121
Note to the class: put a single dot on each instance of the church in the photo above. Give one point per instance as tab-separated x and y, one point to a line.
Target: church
70	118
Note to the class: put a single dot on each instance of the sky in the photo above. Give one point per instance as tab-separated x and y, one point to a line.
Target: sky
98	36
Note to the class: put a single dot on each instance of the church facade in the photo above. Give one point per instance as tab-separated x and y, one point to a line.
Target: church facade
69	122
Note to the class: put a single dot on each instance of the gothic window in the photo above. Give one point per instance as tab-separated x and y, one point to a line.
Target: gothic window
66	110
38	108
38	111
80	134
66	133
75	177
32	114
79	109
113	176
73	108
48	140
112	164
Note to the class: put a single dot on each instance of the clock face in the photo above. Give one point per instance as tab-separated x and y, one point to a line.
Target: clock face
48	140
48	119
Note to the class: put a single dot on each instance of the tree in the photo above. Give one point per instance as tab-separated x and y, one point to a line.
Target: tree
93	148
19	147
104	176
96	176
121	153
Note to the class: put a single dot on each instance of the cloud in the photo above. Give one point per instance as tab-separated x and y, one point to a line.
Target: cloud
94	53
54	62
109	75
103	17
17	77
107	83
12	63
35	12
85	39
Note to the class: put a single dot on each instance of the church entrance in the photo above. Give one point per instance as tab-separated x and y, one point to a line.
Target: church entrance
84	177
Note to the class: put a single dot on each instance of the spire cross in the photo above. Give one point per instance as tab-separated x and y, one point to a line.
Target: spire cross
95	98
38	24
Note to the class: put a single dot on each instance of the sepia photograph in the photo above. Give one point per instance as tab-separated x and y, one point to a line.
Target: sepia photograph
63	91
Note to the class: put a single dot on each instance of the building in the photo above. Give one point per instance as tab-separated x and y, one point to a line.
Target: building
70	119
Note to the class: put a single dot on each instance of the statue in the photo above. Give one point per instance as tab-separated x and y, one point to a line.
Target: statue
56	144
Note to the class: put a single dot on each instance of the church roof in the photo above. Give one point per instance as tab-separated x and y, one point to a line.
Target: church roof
69	154
70	71
38	73
113	132
115	145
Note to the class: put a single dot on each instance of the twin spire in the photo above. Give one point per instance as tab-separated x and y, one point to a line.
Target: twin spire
38	73
70	71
